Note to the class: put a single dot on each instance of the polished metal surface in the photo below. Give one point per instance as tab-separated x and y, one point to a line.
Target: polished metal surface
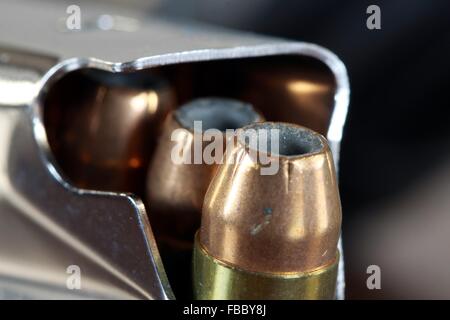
103	136
47	224
270	235
215	280
176	190
288	221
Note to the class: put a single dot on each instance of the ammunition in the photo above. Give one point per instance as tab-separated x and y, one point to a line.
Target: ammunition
176	189
303	97
103	137
270	236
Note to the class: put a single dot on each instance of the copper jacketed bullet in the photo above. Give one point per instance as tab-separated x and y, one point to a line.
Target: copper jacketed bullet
104	136
176	190
302	97
270	236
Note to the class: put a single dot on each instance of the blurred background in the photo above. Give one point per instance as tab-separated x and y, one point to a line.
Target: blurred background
395	160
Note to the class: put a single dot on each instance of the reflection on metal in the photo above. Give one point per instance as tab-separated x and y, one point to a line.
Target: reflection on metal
220	281
175	191
271	235
46	223
16	92
102	135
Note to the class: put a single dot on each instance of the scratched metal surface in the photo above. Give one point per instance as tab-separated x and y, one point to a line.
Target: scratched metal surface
45	223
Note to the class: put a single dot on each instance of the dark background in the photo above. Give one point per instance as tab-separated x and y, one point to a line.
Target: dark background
394	169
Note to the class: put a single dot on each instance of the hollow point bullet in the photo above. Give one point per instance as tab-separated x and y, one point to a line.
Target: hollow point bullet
176	189
270	236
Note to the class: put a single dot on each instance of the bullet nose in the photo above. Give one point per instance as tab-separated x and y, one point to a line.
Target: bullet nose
104	135
177	184
285	221
176	189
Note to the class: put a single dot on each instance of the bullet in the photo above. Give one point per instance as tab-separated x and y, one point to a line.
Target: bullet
103	136
303	95
176	189
270	236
